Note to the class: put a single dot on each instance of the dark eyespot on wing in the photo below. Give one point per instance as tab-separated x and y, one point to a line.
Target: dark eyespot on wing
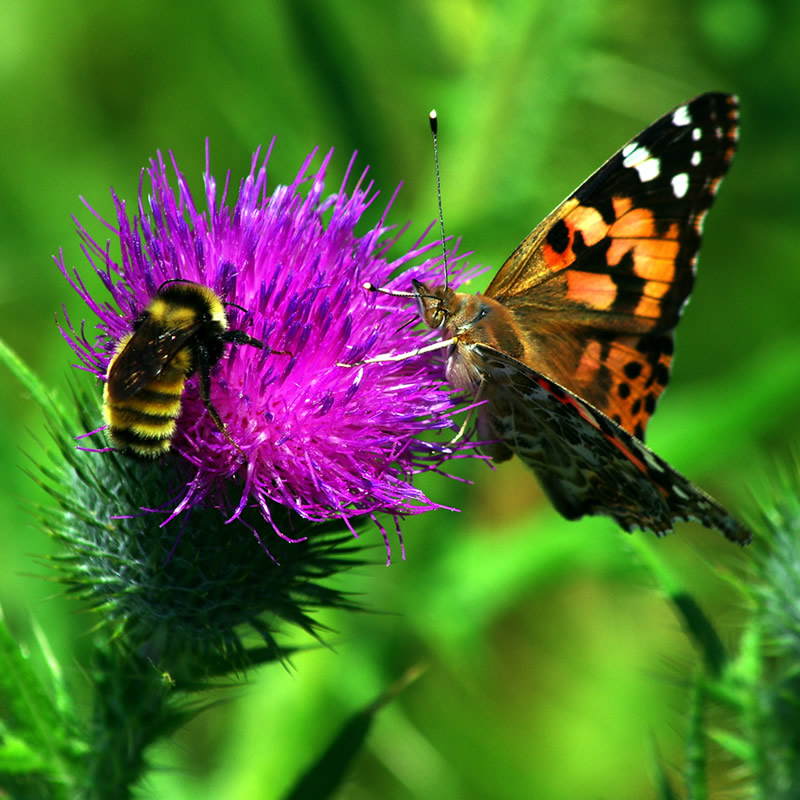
633	369
558	237
661	374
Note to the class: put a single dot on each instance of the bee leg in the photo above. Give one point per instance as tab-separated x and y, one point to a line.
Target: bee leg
204	369
240	337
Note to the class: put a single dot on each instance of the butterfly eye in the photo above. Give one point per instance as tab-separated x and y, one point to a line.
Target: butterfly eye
438	316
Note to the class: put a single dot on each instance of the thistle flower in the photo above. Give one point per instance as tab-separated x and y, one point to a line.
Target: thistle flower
313	437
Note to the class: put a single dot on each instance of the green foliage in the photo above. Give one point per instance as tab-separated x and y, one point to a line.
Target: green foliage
771	692
39	730
748	703
323	777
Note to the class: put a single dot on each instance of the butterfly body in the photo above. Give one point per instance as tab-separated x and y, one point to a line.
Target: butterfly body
572	343
471	319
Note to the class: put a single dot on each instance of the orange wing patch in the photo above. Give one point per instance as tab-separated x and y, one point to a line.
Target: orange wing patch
558	250
592	289
649	305
589	222
622	376
653	259
638	372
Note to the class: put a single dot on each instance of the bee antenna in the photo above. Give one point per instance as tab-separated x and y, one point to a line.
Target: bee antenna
433	119
236	305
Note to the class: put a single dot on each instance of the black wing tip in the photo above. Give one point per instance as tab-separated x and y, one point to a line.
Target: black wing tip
730	527
742	536
733	530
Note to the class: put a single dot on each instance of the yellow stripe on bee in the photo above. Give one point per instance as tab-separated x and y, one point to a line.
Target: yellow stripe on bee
164	430
157	405
176	318
158	308
128	416
173	375
168	382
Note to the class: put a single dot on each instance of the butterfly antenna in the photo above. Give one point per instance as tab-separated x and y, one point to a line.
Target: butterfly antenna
434	123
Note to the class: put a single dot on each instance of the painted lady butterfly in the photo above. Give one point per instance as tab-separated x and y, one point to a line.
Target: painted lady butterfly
571	345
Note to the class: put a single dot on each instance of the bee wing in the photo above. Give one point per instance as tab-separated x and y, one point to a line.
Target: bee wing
603	469
145	354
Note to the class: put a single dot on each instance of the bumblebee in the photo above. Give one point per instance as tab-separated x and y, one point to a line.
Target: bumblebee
182	331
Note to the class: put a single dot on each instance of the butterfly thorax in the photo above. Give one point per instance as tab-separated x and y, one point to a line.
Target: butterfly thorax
469	320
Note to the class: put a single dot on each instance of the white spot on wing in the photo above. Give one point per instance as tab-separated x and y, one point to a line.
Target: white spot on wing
639	157
649	169
680	184
696	158
628	149
681	116
678	491
650	460
633	154
697	134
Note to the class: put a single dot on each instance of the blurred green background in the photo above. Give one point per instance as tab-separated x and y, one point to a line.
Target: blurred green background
555	669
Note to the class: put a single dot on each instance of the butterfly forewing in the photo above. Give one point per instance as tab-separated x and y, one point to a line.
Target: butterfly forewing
599	285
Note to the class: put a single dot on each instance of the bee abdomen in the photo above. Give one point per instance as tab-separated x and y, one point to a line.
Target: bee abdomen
132	442
144	424
152	402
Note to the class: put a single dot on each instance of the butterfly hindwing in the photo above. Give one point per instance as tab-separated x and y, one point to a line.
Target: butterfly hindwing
599	285
585	462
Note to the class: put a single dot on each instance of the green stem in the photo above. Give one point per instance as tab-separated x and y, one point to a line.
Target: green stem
133	708
696	779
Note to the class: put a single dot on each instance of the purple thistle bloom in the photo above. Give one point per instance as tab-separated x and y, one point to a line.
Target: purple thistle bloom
327	441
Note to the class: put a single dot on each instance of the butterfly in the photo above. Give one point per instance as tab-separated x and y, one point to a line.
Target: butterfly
571	345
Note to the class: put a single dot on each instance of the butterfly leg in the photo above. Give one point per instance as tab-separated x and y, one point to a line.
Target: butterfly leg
478	398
